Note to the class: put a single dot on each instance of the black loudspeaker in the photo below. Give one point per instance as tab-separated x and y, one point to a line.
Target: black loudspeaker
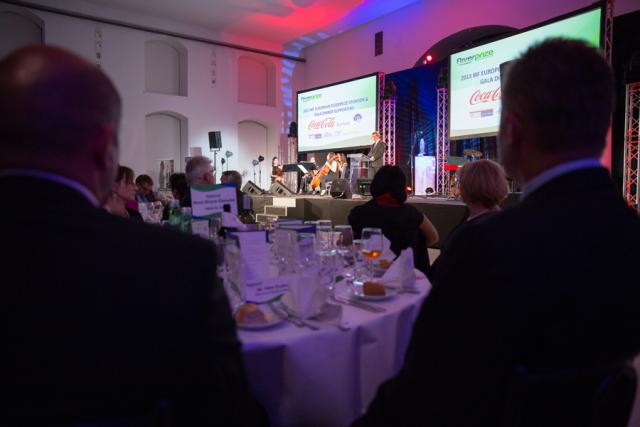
280	189
215	140
251	188
340	189
364	186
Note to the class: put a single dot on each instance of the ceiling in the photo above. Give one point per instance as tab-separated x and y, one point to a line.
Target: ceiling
279	21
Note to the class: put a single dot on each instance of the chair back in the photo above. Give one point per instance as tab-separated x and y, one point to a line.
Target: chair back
599	396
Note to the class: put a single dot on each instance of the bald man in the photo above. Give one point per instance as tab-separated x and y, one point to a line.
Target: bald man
89	333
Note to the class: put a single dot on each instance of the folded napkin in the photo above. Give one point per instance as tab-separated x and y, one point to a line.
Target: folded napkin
306	295
401	273
231	221
387	253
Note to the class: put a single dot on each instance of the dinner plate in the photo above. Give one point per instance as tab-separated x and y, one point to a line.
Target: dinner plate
357	292
273	319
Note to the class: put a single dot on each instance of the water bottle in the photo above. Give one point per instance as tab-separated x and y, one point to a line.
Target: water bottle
174	214
185	219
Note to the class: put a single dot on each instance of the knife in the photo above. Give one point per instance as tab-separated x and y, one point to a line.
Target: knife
358	304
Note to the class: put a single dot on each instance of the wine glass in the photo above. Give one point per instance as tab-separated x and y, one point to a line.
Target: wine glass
371	246
344	248
323	223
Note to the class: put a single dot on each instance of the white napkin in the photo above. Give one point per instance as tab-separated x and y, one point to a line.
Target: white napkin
401	273
232	221
306	296
387	253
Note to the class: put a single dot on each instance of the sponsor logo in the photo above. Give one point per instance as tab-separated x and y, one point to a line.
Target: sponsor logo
357	117
481	97
311	97
328	122
476	57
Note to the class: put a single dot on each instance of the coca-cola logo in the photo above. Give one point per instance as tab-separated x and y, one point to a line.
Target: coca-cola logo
489	96
328	122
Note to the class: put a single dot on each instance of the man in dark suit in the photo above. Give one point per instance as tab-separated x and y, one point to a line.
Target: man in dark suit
376	154
545	285
88	331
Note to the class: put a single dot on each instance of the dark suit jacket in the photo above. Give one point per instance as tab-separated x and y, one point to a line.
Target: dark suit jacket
377	152
89	331
546	284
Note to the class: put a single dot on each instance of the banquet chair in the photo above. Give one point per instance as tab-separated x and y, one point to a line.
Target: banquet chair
600	396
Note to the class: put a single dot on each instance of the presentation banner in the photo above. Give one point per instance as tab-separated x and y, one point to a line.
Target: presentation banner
338	116
475	96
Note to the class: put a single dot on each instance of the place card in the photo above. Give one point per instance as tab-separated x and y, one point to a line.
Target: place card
267	288
200	227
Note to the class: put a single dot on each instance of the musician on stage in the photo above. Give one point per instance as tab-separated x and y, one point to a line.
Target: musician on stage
305	179
376	153
277	173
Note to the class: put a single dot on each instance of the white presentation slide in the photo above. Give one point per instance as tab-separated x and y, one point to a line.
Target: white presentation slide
339	116
475	73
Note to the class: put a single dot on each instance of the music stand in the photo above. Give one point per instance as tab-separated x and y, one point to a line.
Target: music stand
305	168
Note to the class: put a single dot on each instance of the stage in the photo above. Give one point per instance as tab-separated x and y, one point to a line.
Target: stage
444	213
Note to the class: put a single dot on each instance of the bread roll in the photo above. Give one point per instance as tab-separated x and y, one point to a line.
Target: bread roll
373	289
250	314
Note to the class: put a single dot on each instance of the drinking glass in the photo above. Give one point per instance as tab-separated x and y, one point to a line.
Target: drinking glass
371	246
324	238
323	223
325	255
344	248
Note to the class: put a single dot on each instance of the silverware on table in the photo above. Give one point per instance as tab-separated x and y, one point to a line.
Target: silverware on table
358	304
295	319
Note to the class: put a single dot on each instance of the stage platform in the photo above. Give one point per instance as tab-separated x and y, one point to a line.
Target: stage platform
445	214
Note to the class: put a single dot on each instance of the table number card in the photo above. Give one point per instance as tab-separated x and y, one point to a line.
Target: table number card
208	200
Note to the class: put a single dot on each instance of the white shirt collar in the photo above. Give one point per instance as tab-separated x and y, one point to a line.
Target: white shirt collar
50	176
558	170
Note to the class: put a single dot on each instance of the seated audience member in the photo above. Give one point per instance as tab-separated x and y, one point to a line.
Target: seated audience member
178	186
542	285
144	191
91	335
199	171
483	186
402	224
123	191
234	177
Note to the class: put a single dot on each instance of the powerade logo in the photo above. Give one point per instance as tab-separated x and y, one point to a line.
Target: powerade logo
477	57
311	97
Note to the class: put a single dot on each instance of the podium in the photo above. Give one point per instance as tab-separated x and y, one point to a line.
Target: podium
358	169
424	174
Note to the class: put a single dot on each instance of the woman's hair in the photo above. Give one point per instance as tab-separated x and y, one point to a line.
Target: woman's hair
125	173
274	159
390	179
178	183
483	182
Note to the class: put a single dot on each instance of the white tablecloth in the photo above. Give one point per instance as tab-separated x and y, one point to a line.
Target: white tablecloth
328	377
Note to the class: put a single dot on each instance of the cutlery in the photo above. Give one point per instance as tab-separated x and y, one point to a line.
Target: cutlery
358	304
402	290
285	315
297	318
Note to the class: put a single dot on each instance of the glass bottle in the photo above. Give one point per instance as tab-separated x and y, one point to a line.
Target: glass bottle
185	219
174	214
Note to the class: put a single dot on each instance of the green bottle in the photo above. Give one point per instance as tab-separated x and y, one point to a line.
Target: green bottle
174	214
185	219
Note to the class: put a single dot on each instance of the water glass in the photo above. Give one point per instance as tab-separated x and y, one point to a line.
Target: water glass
324	238
371	245
323	223
344	248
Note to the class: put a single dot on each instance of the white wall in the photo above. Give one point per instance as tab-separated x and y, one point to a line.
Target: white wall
207	107
409	32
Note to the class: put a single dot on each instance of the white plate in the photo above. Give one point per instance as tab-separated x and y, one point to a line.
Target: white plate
357	291
272	320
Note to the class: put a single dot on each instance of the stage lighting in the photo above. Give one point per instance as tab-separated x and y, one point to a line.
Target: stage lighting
429	191
260	158
407	189
228	153
254	162
427	59
222	161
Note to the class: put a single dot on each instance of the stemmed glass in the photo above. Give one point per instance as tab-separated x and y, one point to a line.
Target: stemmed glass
371	246
344	248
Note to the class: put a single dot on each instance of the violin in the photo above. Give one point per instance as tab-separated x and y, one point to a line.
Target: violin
315	182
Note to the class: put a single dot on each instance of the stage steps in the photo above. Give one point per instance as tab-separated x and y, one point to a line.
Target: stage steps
275	211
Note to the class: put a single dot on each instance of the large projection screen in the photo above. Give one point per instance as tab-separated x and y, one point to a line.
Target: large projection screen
339	116
474	85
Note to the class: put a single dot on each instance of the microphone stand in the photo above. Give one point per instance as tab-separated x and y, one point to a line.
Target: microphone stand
260	173
215	167
411	161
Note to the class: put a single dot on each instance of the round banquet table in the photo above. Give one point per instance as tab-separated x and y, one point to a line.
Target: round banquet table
328	377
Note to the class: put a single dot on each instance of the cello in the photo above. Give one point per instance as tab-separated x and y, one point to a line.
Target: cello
315	182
